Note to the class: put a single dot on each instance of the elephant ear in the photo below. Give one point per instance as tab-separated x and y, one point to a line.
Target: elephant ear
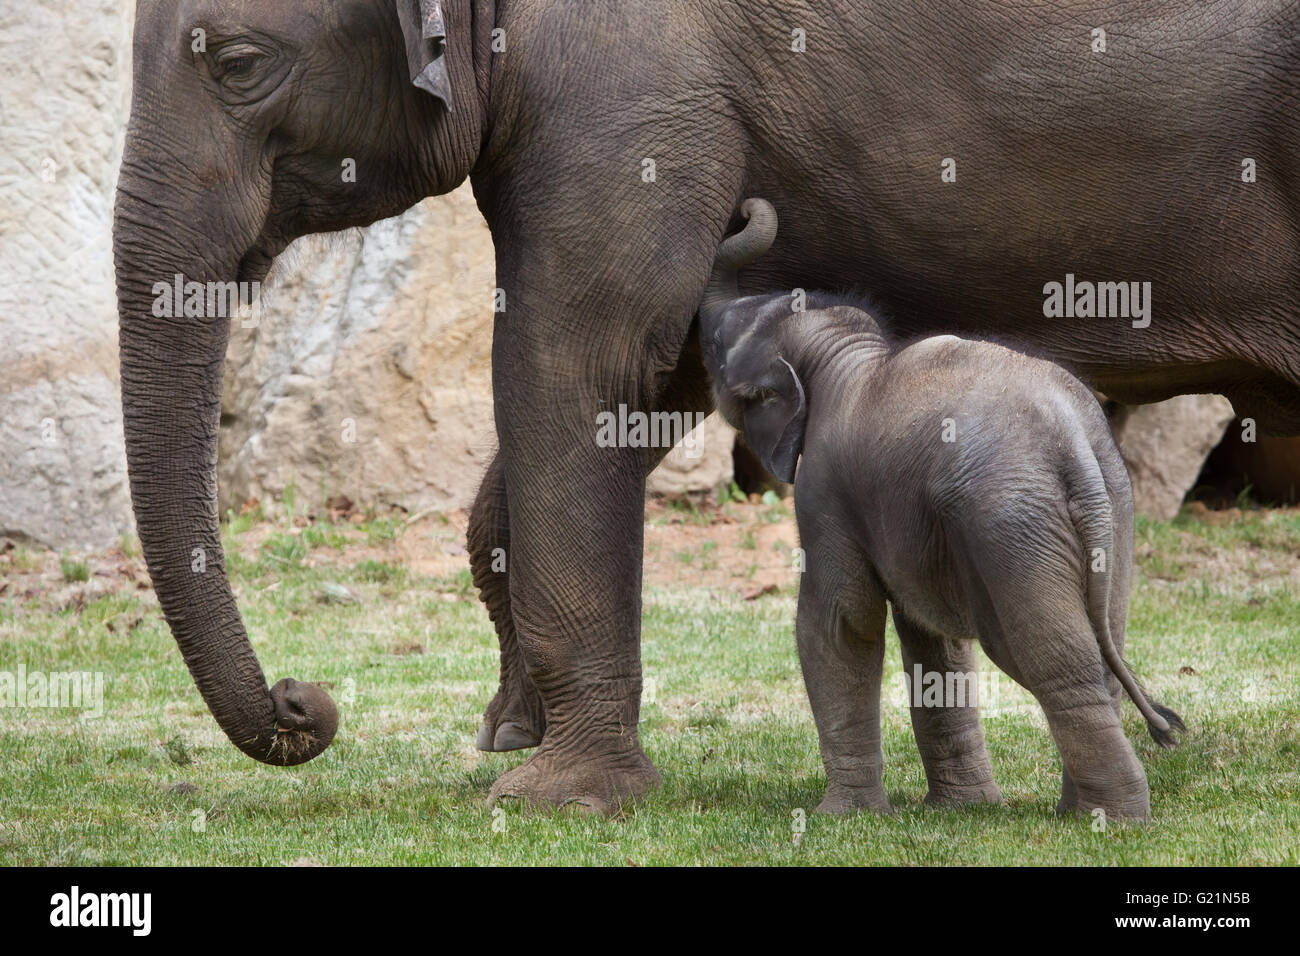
774	426
426	40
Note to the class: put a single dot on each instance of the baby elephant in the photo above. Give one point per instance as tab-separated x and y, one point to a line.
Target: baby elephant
976	490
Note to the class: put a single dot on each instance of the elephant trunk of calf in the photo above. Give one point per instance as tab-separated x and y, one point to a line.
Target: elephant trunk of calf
734	253
171	406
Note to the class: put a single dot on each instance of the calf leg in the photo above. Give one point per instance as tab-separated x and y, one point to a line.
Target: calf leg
1055	657
948	736
1116	477
840	629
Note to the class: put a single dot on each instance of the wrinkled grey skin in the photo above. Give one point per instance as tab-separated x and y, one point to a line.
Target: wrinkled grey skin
972	488
1117	166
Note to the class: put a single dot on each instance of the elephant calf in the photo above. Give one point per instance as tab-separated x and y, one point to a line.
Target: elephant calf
976	490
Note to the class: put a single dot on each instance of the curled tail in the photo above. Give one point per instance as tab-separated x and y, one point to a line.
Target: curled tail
1090	508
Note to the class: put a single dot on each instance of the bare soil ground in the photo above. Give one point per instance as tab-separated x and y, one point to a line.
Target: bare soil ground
742	548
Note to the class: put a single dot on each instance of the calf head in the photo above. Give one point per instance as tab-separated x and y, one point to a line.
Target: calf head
755	387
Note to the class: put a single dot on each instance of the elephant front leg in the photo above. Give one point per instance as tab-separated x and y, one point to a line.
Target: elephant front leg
516	718
576	512
947	731
840	631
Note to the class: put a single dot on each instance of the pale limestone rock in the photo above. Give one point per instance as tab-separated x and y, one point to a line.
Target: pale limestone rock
65	77
700	465
1166	444
368	370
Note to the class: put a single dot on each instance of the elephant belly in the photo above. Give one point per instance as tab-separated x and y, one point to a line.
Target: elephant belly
1040	194
926	584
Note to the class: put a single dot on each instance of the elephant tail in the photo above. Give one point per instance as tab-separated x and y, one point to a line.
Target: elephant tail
1090	509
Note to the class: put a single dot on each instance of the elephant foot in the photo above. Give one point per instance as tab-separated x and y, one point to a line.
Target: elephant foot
949	795
1128	804
515	720
588	784
1137	811
842	798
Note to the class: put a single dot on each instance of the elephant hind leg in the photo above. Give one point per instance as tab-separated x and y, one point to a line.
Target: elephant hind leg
1101	769
516	717
1067	676
1047	646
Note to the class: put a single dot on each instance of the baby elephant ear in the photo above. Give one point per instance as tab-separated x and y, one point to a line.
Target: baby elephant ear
426	39
774	427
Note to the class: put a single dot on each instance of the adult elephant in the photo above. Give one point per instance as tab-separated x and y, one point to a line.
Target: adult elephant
608	145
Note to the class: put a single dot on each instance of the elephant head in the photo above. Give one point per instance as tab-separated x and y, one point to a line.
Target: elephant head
756	389
252	124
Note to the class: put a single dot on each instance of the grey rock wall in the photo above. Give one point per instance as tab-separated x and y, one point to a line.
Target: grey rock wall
64	98
1166	444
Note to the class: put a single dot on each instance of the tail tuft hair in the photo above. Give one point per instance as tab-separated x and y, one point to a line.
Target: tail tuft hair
1166	738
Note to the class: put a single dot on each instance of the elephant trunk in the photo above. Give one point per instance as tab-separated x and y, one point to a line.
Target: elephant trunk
736	252
171	369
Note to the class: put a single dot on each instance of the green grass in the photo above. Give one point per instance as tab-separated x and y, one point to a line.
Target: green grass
413	662
74	570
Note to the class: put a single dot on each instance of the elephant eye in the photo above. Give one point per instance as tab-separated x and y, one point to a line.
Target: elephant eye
236	66
238	62
757	393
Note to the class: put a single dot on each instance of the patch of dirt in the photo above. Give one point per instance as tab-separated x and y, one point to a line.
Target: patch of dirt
1244	565
425	543
33	575
434	545
744	548
741	547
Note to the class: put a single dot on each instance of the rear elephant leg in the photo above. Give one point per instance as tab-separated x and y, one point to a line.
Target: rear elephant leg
1064	671
516	717
1040	635
948	732
1100	768
1120	582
